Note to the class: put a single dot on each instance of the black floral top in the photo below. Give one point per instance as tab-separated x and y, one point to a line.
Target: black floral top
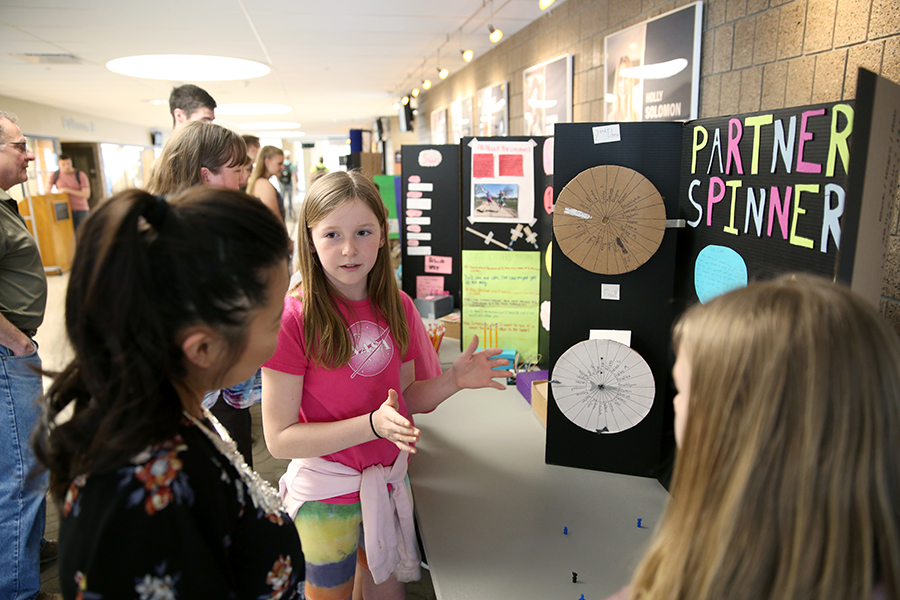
177	522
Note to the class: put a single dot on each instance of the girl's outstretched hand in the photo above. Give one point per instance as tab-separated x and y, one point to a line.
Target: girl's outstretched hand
393	426
476	369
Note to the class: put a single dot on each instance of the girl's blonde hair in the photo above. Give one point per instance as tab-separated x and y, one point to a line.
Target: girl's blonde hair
259	169
327	337
194	145
787	484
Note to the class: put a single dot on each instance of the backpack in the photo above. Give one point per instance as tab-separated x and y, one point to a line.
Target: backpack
285	176
55	177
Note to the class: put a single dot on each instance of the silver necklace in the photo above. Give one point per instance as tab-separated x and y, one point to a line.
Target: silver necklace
263	494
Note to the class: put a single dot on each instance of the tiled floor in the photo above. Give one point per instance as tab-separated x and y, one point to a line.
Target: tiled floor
55	353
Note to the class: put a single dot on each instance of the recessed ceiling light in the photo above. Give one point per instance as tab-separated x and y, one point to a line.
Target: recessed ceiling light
281	134
270	125
252	109
158	101
187	67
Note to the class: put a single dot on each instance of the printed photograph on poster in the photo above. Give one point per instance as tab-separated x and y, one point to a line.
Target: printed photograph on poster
500	200
493	110
461	122
439	126
548	95
652	70
502	182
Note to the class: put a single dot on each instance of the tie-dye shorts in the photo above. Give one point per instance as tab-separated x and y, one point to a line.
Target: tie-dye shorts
332	539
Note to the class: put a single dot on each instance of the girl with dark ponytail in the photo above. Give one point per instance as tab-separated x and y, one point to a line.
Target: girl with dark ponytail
166	301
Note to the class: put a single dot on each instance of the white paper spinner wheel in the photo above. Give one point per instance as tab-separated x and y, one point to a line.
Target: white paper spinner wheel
603	386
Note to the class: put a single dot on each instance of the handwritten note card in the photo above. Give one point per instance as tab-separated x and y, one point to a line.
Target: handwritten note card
511	165
483	166
426	285
439	264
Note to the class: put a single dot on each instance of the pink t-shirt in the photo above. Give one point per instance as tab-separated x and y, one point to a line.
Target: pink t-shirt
76	180
355	389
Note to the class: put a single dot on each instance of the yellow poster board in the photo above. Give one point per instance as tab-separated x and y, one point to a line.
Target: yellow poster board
503	289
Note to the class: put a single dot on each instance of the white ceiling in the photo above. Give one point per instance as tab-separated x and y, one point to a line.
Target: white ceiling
338	64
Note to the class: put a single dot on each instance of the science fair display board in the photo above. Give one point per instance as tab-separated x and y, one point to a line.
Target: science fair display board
613	275
505	222
746	198
430	221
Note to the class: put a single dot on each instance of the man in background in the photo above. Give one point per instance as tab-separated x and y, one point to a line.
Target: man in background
73	182
191	103
286	180
23	298
252	150
319	169
252	146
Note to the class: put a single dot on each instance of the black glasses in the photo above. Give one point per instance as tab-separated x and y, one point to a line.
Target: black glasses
21	146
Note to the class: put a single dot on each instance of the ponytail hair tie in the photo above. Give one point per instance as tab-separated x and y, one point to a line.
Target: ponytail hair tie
156	212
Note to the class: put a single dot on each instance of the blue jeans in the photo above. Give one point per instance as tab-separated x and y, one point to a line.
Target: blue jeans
78	216
22	496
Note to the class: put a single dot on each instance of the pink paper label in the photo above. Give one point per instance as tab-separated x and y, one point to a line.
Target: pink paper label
428	285
439	264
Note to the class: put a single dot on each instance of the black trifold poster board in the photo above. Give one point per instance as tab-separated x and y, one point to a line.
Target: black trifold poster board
805	189
644	306
430	219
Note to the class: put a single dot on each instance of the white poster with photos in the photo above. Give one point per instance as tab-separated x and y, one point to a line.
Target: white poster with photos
502	182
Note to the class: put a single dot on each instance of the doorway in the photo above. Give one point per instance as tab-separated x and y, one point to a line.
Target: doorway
86	158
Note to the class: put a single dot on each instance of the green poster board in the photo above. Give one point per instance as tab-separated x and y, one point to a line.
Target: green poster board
501	288
388	187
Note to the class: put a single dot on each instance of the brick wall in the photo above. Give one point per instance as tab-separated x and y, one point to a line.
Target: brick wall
756	55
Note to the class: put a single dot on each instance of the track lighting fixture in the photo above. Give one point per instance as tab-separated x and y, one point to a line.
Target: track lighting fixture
426	84
496	34
415	93
405	100
467	55
545	4
442	73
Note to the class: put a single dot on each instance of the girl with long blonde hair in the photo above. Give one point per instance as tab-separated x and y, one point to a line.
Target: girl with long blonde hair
269	161
340	391
787	482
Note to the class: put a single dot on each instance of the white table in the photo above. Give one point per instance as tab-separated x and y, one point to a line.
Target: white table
491	512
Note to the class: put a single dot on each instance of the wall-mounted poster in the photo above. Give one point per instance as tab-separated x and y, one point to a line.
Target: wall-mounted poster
652	70
461	120
439	126
493	110
548	95
502	182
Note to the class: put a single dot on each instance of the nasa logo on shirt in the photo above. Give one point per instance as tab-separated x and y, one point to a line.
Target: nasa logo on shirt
372	348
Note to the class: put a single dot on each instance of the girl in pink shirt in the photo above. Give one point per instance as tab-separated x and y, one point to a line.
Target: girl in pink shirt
339	393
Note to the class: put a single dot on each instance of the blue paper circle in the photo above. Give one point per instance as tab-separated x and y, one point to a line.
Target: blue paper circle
718	270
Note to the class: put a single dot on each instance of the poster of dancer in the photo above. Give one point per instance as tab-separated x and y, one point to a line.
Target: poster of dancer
493	111
548	95
652	70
